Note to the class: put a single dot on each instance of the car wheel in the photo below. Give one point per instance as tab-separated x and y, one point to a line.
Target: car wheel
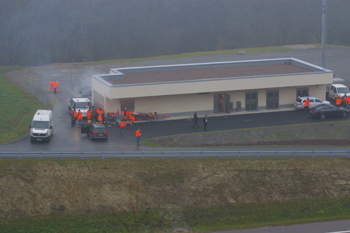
345	114
323	116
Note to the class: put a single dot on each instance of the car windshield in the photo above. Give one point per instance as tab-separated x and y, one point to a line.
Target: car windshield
343	90
100	130
82	105
299	100
40	124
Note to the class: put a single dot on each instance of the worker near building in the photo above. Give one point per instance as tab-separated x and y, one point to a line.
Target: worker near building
307	104
131	120
138	136
122	126
338	101
55	87
88	114
74	116
51	86
99	118
80	118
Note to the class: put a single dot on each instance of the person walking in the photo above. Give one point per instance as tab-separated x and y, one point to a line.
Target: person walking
122	126
55	87
131	120
138	136
205	122
80	118
195	120
307	104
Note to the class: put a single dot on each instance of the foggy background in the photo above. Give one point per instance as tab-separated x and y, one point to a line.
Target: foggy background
37	32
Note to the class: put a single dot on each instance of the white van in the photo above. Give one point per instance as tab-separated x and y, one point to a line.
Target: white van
41	128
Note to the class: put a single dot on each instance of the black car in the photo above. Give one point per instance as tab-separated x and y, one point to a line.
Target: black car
326	110
95	131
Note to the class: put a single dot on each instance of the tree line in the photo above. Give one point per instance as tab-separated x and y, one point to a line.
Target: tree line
37	32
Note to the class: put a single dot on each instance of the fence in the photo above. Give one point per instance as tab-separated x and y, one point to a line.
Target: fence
171	154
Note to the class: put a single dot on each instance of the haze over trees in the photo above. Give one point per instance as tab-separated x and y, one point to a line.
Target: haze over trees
37	32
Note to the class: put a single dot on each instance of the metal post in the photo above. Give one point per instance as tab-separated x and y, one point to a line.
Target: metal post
324	32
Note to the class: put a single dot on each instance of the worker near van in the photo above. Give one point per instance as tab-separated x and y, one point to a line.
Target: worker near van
51	86
80	118
307	104
131	120
99	118
88	114
338	101
122	126
74	117
348	102
138	136
55	87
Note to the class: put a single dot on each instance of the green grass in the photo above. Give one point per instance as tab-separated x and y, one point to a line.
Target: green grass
15	105
197	54
151	220
248	215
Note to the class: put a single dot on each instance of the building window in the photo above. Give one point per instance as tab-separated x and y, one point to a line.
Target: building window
128	104
301	92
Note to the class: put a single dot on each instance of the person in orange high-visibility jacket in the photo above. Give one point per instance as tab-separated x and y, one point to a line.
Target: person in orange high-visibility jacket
55	87
51	86
122	126
80	117
131	120
74	116
338	101
138	136
88	114
99	118
348	102
307	104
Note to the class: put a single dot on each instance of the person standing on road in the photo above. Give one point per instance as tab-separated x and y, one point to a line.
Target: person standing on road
74	117
55	87
131	120
122	126
195	120
51	86
205	122
307	104
80	118
348	102
138	136
88	114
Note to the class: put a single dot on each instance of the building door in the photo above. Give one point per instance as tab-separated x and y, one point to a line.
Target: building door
251	100
272	99
128	104
222	103
301	92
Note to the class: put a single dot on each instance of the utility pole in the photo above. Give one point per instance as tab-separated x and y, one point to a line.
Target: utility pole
324	32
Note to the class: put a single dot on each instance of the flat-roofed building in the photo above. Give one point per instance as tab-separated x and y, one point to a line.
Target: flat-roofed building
210	87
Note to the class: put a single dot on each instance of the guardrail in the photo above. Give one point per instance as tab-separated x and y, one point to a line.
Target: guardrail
170	154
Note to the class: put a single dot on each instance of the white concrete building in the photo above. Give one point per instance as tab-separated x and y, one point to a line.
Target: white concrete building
210	87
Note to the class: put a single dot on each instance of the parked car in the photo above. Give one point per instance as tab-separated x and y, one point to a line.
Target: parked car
326	110
300	102
94	131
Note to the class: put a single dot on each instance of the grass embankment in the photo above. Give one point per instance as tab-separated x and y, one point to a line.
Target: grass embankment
197	54
16	104
156	195
330	132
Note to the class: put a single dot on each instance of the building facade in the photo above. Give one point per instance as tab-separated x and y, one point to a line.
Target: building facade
210	87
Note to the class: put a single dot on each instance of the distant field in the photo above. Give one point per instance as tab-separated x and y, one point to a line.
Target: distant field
16	106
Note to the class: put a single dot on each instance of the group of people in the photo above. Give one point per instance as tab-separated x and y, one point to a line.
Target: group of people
345	101
53	86
127	117
195	121
79	116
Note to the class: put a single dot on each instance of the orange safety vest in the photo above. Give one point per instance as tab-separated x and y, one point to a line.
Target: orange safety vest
338	102
55	84
122	123
88	114
307	103
80	116
51	87
75	114
99	118
132	118
348	100
138	134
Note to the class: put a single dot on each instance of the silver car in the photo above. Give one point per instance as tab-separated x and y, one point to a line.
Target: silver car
300	102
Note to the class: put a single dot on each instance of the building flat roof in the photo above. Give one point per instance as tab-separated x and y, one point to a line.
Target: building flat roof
207	73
